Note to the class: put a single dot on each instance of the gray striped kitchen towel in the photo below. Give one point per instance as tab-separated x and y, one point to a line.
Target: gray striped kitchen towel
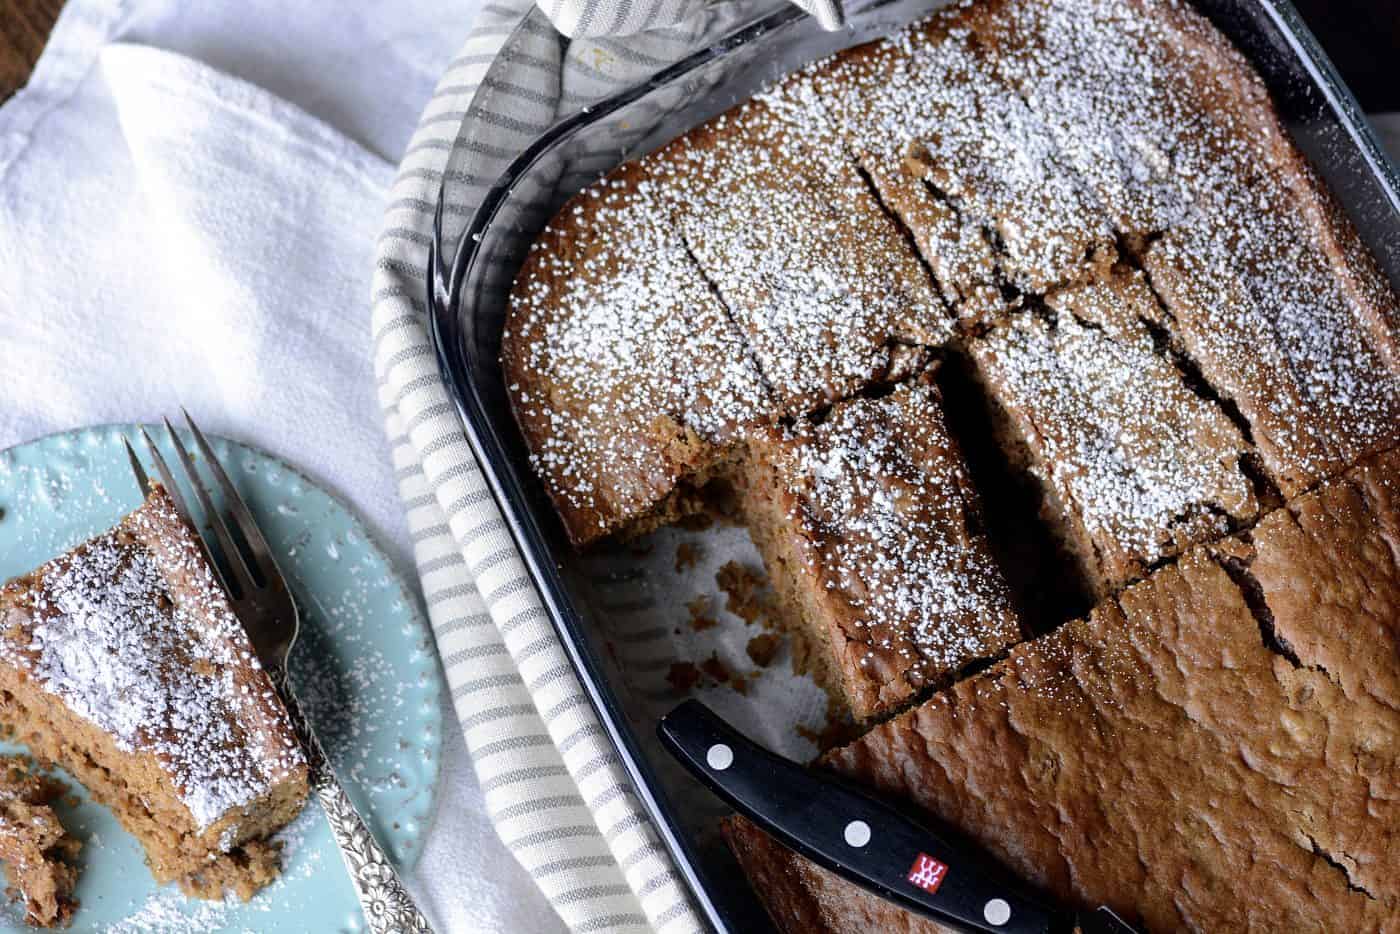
553	784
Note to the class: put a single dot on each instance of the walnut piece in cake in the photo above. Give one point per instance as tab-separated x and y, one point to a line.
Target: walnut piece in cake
37	852
1136	464
870	528
122	662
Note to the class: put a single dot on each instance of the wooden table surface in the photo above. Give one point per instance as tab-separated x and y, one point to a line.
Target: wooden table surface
24	25
1361	36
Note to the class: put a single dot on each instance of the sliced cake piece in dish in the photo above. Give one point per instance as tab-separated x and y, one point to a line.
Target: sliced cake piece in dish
822	283
37	852
626	376
1216	749
122	662
928	117
1135	464
1304	342
871	531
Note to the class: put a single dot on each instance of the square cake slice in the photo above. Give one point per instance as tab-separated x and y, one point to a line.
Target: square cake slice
819	279
956	248
626	376
928	117
36	850
1216	749
122	662
1136	465
872	534
1307	350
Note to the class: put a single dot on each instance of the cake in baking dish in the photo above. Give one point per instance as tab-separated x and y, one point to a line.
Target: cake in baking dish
1159	756
122	662
1075	234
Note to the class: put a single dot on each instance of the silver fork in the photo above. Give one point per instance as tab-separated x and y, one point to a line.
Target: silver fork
260	598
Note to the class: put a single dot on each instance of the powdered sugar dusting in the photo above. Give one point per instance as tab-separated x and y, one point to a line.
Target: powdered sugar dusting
817	278
1176	139
623	363
131	631
928	99
1145	465
887	523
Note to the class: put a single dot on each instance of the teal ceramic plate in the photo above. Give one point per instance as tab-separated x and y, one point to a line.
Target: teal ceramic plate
364	668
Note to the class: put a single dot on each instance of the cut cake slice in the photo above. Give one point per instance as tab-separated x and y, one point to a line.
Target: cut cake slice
1137	465
122	662
872	533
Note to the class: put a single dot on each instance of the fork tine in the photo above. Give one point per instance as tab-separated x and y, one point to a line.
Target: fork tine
167	480
232	554
237	509
142	480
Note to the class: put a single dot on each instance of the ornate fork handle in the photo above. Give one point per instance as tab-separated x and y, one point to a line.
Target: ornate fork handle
388	907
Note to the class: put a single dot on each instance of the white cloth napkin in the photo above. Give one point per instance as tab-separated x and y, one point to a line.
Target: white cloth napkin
170	234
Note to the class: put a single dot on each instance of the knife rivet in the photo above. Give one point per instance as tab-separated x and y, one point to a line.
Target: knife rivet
857	833
997	912
719	757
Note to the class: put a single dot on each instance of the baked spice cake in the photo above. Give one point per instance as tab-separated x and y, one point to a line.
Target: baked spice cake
871	531
37	852
122	662
1157	320
627	378
1215	749
819	280
1134	462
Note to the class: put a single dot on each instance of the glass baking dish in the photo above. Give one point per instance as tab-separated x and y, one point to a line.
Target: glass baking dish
475	260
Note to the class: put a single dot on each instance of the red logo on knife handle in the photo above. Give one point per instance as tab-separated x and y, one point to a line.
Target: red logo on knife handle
927	873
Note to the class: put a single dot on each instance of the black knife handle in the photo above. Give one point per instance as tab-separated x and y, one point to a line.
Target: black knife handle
849	832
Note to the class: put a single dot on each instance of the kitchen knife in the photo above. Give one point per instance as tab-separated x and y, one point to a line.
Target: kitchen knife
862	839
